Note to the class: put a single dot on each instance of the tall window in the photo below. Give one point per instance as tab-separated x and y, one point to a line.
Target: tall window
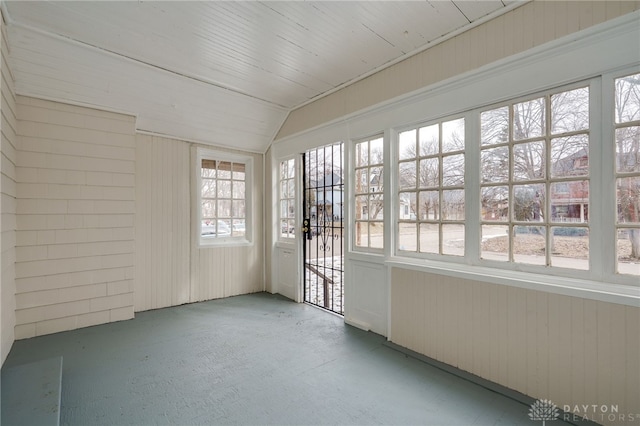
534	166
368	189
223	197
627	137
431	189
287	192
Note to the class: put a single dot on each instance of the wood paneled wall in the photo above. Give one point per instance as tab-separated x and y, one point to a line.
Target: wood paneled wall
170	268
565	349
8	151
530	25
163	244
75	217
229	271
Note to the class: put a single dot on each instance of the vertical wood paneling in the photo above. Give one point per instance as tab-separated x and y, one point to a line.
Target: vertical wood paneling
620	340
632	366
162	222
8	148
605	353
525	27
566	349
542	345
590	348
576	339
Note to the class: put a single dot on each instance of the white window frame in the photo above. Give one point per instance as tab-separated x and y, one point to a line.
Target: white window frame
353	175
290	236
439	188
547	181
616	174
599	54
247	160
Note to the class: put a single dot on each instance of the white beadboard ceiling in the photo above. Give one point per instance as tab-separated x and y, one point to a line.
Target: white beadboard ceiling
223	73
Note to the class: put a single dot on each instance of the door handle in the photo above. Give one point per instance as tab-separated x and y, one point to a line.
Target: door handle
306	228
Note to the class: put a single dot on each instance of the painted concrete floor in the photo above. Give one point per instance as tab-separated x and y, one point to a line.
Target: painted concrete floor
253	360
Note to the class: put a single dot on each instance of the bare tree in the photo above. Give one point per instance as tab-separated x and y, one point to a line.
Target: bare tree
627	109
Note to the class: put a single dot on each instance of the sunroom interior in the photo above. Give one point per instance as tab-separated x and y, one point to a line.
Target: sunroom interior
472	167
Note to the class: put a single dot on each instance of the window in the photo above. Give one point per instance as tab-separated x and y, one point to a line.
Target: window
223	197
534	191
287	191
627	173
431	196
368	191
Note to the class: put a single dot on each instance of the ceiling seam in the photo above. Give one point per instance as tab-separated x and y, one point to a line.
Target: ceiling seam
506	9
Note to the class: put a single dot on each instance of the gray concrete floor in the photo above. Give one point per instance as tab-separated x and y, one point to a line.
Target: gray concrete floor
253	360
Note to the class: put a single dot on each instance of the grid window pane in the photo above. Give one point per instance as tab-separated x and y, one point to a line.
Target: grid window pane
429	205
453	170
529	119
453	205
376	234
429	140
570	247
628	199
407	145
627	167
570	156
223	199
376	152
453	239
495	164
570	201
495	242
287	199
528	161
429	173
570	111
369	193
540	188
529	244
224	188
495	203
407	178
628	251
429	238
628	149
362	154
453	135
627	98
432	188
407	237
495	126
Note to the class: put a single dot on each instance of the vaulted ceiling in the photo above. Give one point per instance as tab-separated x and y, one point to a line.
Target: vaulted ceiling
223	73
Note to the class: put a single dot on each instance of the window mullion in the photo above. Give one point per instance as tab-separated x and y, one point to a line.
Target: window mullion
603	234
472	187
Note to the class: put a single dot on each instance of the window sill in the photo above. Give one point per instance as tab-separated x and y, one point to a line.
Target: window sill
225	242
606	292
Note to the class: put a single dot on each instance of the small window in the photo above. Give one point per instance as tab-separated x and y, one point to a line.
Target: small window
287	192
368	191
223	197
